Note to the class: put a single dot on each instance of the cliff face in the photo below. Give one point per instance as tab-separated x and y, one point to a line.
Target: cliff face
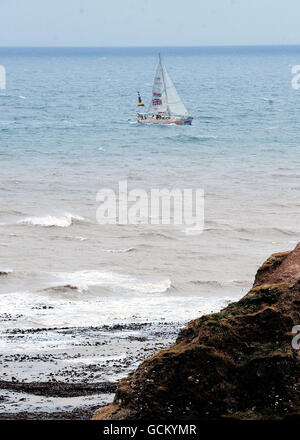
238	363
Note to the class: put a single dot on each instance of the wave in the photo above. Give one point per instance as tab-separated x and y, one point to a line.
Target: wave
211	283
264	230
4	272
245	239
193	231
157	235
285	231
11	211
183	138
7	122
84	279
243	230
118	251
80	238
40	315
63	288
50	220
286	176
219	284
74	238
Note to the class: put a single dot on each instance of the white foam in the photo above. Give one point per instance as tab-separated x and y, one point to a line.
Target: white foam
4	269
89	360
158	287
118	251
192	231
50	220
85	278
15	402
80	238
26	311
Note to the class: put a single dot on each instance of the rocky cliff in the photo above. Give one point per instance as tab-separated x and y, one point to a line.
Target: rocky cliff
238	363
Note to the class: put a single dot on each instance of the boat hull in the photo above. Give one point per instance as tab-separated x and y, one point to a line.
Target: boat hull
166	121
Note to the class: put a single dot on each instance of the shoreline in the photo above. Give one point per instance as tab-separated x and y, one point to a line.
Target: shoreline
77	414
72	382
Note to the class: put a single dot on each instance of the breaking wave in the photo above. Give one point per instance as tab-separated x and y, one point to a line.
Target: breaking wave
5	271
118	251
193	231
84	279
51	221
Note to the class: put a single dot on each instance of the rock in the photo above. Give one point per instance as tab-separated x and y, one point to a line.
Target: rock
55	388
236	364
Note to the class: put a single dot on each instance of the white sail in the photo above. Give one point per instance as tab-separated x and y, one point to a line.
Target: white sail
175	104
158	102
165	98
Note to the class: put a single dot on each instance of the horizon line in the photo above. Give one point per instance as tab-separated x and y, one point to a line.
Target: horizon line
147	46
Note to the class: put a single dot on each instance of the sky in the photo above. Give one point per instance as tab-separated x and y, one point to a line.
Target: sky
148	22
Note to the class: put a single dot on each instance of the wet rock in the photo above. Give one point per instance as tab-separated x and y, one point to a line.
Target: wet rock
58	389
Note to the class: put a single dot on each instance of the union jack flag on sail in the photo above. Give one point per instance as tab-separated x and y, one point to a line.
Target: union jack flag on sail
156	101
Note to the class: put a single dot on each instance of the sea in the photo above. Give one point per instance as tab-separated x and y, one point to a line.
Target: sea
68	129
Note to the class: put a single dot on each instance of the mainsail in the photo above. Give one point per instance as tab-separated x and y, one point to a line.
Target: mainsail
165	98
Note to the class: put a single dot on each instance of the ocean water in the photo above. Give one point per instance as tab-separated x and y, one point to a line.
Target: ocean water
67	129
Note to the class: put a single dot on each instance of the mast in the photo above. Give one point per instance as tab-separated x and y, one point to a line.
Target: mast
164	81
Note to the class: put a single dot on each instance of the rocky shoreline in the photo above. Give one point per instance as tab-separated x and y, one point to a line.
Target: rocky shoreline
56	389
235	364
70	383
76	414
59	389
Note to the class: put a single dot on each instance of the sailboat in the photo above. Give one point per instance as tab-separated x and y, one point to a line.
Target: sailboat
166	107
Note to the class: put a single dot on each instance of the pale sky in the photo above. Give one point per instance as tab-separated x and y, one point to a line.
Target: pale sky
148	22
